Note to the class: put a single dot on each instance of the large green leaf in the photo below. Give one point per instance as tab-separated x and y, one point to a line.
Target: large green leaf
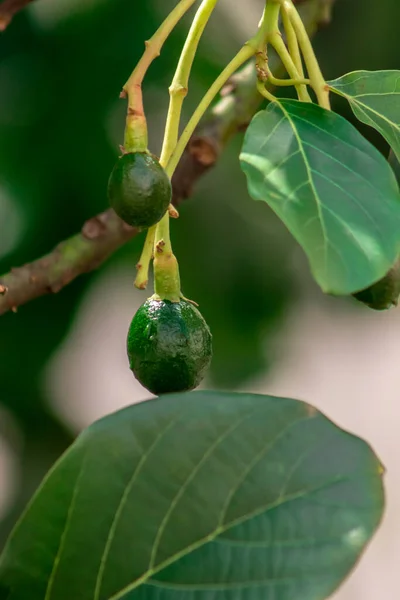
234	496
395	164
374	97
333	190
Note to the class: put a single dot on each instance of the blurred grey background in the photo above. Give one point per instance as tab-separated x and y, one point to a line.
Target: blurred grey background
62	358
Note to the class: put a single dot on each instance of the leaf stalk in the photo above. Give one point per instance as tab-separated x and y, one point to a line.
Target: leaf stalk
314	71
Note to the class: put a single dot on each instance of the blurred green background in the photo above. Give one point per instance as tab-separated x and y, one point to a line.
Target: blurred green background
62	65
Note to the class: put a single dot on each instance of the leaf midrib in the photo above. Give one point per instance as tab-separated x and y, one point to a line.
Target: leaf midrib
310	181
354	100
223	586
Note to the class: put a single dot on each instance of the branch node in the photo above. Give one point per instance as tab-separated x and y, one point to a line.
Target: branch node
8	9
133	112
173	213
142	285
177	89
4	22
159	246
228	89
94	228
203	150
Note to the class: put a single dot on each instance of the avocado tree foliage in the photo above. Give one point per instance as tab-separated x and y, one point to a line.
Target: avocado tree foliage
208	493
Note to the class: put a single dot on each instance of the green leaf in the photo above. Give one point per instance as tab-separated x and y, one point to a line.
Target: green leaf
394	163
374	97
333	190
240	496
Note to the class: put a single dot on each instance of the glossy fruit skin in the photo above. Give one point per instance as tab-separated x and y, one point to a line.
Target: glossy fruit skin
169	346
139	189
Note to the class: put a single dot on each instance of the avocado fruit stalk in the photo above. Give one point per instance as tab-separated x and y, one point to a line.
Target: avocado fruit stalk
136	135
167	285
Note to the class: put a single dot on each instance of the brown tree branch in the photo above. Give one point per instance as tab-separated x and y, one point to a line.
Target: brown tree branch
105	233
8	9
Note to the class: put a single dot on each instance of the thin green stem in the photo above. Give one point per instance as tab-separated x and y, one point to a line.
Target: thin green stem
271	18
286	82
249	49
270	24
294	51
179	87
278	44
314	72
143	265
178	92
264	92
155	44
136	138
274	37
246	52
162	240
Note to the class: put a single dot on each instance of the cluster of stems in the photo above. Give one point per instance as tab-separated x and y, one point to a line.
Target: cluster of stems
299	60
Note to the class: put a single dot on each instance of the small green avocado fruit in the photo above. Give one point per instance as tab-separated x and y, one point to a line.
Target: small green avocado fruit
384	293
139	189
169	346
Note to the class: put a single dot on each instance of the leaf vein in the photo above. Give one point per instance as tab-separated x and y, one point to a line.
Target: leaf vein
207	455
63	537
122	503
253	463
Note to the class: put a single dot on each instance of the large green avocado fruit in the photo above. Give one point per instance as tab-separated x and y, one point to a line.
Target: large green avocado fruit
169	346
139	189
